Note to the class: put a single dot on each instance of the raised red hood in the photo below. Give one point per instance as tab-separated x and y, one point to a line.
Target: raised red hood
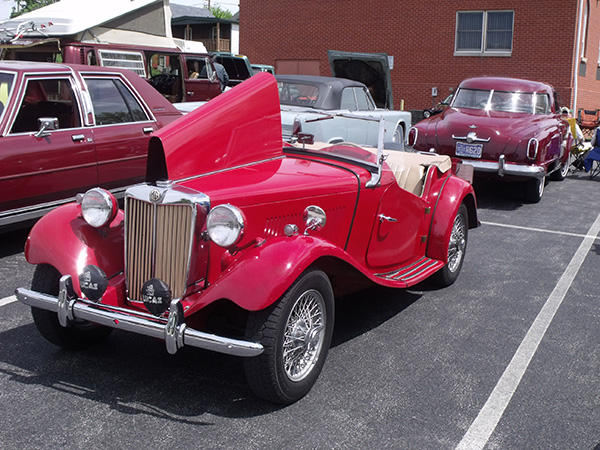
239	126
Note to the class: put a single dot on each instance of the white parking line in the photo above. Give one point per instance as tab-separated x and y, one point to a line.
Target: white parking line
486	421
540	230
7	300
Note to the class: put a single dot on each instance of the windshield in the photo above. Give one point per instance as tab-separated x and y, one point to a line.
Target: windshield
492	100
297	94
6	84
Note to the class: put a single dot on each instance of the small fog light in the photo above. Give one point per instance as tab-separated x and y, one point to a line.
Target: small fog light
93	282
156	296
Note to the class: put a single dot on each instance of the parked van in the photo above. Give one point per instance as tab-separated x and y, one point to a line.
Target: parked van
180	76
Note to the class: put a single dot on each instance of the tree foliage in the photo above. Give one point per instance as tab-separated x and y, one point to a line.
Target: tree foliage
25	6
220	13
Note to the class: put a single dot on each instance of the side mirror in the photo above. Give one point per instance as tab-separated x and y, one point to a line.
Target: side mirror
306	138
46	124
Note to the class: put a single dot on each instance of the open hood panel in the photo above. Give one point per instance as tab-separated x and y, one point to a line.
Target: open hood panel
240	126
372	69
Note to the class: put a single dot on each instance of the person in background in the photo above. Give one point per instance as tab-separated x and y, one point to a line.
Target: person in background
221	73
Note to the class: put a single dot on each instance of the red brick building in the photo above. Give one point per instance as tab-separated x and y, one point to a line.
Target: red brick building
435	43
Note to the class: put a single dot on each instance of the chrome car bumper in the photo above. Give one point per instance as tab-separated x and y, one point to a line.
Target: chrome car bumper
172	329
502	168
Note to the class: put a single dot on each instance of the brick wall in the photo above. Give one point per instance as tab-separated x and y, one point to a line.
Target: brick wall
420	36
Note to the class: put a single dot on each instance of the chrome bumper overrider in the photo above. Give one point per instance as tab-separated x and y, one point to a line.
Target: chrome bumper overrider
502	168
172	329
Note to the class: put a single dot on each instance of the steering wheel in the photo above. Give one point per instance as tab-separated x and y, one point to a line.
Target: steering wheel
161	78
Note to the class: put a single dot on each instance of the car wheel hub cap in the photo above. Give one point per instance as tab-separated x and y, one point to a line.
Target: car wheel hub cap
458	243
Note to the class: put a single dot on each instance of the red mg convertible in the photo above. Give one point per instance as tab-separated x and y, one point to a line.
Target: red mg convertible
239	244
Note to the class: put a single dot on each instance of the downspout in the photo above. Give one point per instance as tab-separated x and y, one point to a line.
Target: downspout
576	65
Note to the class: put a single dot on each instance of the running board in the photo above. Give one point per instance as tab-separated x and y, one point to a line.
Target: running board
413	273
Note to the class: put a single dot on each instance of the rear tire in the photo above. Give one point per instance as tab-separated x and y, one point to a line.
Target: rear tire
457	248
296	333
561	174
78	335
534	189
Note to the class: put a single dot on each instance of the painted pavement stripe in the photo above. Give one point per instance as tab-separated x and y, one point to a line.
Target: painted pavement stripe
5	301
486	421
540	230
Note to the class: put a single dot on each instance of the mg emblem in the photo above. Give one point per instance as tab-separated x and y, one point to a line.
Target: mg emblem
471	137
154	195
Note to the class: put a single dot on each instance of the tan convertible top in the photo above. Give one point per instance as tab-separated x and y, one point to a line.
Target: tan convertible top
408	168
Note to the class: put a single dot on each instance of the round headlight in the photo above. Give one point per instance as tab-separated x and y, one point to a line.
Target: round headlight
225	225
98	207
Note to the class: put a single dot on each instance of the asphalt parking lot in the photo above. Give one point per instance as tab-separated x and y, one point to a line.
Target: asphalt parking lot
506	358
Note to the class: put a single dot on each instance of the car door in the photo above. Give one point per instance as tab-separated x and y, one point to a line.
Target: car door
201	82
123	127
399	228
53	165
362	132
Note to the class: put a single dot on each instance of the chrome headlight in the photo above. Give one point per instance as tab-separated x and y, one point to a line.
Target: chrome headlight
225	225
98	207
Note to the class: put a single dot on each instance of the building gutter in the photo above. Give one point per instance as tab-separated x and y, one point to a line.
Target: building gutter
576	65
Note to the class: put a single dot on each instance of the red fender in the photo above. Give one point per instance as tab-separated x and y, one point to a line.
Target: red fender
454	192
261	275
65	241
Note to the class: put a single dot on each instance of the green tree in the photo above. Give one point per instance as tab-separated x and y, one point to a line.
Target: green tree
220	13
25	6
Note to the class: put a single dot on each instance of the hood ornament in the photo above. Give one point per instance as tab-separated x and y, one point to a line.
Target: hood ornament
472	127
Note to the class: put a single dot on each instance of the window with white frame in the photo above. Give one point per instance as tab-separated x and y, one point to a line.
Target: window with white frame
484	32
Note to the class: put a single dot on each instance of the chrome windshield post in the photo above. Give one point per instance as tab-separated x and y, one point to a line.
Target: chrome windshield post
376	177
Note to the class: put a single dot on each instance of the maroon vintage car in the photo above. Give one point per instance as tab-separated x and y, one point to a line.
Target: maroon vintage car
239	244
505	127
67	128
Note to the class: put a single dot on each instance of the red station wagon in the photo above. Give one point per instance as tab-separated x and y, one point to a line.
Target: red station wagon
67	128
239	243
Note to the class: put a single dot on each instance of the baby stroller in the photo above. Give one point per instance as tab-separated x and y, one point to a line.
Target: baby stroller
591	161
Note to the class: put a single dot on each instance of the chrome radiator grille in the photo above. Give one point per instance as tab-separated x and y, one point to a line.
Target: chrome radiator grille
158	240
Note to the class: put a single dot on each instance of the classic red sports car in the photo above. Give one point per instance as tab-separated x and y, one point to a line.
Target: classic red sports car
66	128
505	127
239	244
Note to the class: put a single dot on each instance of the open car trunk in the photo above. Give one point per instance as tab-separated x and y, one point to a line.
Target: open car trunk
372	69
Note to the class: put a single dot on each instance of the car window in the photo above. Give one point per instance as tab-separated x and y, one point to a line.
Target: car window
541	104
471	98
49	97
297	94
348	100
235	66
199	68
6	84
113	102
362	100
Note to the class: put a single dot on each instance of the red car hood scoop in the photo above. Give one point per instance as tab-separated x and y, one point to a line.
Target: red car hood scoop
240	126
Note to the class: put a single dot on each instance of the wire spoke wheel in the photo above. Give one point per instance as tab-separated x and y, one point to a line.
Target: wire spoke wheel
458	243
304	335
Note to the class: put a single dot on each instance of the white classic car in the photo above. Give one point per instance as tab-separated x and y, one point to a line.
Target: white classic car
327	107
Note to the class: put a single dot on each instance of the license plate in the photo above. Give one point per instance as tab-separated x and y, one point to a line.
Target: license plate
469	150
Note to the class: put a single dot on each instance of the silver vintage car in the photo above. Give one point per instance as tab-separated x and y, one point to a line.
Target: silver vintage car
327	107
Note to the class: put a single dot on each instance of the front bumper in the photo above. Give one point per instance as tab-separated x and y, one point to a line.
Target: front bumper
502	168
172	329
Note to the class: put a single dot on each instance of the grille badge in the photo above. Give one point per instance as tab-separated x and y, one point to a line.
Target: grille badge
154	195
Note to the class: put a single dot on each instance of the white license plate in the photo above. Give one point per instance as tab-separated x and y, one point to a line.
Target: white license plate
469	150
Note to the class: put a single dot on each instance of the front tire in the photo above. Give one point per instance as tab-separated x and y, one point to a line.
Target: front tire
296	333
457	248
78	335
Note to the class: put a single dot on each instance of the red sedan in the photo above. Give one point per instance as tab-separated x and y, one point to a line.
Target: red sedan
504	127
67	128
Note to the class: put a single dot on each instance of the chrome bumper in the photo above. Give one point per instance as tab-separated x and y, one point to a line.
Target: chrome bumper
172	329
501	168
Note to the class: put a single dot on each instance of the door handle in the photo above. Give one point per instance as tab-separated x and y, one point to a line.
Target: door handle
78	137
190	93
147	130
383	217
